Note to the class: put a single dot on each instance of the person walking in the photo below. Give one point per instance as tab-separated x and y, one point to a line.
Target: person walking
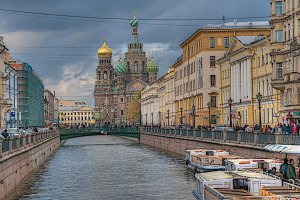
291	171
283	169
5	134
294	129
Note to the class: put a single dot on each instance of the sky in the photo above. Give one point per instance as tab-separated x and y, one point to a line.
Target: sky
63	50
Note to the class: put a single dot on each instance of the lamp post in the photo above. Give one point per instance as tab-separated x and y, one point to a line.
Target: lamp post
152	119
168	111
259	98
209	106
181	111
230	101
159	118
146	119
194	115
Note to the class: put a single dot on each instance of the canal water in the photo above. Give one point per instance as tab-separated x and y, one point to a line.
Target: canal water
107	167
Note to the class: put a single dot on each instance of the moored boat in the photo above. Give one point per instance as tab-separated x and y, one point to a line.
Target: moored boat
202	160
242	185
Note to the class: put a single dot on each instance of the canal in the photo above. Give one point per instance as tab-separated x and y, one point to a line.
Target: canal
107	167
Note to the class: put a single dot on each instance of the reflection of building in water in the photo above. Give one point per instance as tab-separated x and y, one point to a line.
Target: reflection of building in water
115	87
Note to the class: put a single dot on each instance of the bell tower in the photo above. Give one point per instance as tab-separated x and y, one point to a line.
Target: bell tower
104	77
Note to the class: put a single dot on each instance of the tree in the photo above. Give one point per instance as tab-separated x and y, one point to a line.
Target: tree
133	111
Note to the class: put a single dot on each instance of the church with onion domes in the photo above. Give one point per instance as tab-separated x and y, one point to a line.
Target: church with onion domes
116	86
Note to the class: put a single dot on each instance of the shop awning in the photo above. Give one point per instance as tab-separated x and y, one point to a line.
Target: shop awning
286	149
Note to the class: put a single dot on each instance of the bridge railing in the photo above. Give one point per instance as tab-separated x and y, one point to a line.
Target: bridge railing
239	137
12	145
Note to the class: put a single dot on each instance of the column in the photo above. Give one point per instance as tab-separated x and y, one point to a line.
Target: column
249	78
242	80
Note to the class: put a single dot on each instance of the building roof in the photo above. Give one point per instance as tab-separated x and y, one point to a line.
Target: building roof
229	25
246	40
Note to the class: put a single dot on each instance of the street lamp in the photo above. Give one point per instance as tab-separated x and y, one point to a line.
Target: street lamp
259	98
230	101
181	111
194	115
159	118
209	106
152	119
168	111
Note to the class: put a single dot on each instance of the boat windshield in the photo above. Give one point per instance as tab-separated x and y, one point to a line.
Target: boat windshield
240	183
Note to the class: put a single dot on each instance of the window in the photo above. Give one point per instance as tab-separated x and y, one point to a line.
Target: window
105	75
213	101
128	67
212	42
279	8
212	61
298	95
226	42
262	60
212	80
143	67
122	112
279	37
122	100
258	61
279	71
267	59
136	67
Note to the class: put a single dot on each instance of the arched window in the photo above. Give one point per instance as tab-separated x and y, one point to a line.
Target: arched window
143	66
136	67
128	67
105	76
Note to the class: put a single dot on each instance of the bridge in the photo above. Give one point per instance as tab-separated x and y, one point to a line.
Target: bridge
133	132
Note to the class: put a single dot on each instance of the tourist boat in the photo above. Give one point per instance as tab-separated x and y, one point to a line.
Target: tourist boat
262	165
242	185
202	160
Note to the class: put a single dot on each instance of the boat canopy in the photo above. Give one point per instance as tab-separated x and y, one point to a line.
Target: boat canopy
286	149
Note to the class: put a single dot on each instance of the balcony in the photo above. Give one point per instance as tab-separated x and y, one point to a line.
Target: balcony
278	83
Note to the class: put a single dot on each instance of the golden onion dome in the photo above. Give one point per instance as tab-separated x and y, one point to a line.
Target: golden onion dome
104	50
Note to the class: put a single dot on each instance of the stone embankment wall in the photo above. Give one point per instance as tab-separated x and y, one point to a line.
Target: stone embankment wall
19	157
178	145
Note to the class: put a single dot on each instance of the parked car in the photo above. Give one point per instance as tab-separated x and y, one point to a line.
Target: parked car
223	128
184	126
14	132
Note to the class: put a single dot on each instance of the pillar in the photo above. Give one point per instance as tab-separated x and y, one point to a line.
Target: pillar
1	147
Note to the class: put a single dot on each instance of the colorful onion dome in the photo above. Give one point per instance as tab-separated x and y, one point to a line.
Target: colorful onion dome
134	22
152	66
120	68
104	50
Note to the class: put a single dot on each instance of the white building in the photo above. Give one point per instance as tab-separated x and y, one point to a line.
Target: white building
12	116
150	106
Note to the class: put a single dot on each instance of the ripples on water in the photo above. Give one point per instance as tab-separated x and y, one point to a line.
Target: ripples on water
105	167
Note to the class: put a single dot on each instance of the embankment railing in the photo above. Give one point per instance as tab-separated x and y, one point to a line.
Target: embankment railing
239	137
12	145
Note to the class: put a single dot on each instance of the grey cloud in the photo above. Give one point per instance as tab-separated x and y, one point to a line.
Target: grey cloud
52	63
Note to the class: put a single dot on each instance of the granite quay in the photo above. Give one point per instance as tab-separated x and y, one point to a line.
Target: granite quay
239	143
20	156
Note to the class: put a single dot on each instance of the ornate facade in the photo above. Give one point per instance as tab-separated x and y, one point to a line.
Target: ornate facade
116	86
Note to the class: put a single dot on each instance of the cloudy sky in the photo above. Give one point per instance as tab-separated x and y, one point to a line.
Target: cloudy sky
62	50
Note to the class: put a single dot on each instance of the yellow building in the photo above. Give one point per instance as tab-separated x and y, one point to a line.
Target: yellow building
197	75
71	103
166	95
285	56
76	116
246	72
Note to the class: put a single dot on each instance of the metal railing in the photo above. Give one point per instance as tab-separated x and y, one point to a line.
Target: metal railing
239	137
12	145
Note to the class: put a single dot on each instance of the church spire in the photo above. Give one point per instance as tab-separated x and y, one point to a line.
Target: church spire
134	23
